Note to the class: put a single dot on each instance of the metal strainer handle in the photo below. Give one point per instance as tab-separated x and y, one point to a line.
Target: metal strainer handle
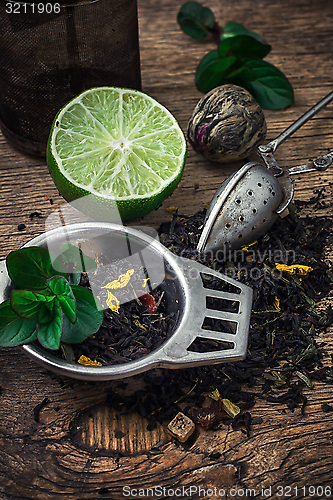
234	321
320	164
212	307
298	123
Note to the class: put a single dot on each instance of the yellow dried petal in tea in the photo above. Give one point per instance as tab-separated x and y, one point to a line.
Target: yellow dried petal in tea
215	395
294	269
83	360
121	282
276	303
112	302
230	408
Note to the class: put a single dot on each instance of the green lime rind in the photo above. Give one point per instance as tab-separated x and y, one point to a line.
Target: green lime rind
120	147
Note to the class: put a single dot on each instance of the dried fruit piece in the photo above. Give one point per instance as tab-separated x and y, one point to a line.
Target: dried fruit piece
181	427
149	302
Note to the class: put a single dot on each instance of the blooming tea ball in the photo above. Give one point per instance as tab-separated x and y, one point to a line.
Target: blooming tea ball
226	125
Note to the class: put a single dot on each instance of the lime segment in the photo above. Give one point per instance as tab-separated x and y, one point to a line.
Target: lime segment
119	145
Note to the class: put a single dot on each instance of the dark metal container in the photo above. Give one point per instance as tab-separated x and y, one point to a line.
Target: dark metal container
52	51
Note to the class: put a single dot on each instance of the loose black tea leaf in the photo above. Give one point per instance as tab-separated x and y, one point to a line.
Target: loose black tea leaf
34	214
284	356
135	319
326	407
39	407
284	323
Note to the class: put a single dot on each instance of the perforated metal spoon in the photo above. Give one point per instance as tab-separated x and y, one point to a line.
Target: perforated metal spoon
249	201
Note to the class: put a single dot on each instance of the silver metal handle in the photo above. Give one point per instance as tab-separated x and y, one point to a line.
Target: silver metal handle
176	350
299	123
266	151
3	281
320	164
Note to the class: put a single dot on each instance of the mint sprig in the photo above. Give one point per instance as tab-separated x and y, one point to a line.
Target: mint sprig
195	20
46	302
237	60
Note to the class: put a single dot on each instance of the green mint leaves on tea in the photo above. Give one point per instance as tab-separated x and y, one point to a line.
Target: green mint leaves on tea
30	267
26	303
15	330
47	304
88	318
238	59
64	294
49	333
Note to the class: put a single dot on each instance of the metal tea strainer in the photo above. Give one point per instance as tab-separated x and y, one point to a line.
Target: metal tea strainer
249	201
208	306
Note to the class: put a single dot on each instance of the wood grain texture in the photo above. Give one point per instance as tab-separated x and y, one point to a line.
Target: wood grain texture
80	448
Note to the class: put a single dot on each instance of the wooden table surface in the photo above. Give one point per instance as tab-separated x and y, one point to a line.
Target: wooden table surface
72	451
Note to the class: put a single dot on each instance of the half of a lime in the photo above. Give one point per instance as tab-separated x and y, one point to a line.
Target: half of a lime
119	146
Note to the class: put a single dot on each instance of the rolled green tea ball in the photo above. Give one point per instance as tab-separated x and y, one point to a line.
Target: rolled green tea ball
226	125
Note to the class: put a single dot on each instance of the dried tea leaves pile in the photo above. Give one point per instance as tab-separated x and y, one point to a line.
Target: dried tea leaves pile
135	318
290	276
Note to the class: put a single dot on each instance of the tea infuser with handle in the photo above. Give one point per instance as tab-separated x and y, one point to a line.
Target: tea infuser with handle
210	307
250	200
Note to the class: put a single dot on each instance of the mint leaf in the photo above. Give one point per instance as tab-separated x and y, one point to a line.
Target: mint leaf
238	59
233	29
195	20
26	303
211	71
49	334
205	62
216	67
15	330
243	46
89	317
268	85
71	254
74	278
29	267
45	312
63	291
